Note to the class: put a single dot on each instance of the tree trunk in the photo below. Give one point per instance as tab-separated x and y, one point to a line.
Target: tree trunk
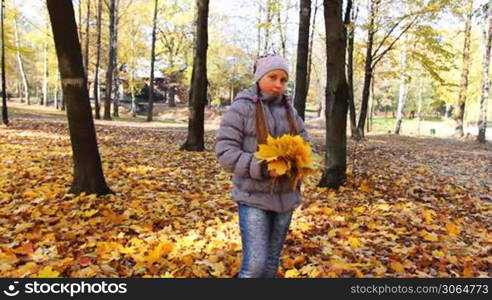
25	84
79	25
420	103
116	100
196	122
280	26
132	72
86	56
367	72
464	72
97	110
350	22
110	70
302	58
482	119
311	41
334	174
403	89
55	97
46	71
150	110
258	29
172	95
88	176
370	106
5	115
268	23
447	111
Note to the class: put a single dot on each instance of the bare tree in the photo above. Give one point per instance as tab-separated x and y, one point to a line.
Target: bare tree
5	115
334	173
97	90
88	176
46	70
22	71
116	79
198	99
150	111
311	41
302	58
350	17
482	119
403	88
465	70
110	70
132	71
87	33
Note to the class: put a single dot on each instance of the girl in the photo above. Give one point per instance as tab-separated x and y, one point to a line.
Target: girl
264	214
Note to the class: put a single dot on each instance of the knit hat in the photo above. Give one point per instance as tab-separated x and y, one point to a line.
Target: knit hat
269	63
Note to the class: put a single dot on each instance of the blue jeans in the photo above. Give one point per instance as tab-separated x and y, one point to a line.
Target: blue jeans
262	234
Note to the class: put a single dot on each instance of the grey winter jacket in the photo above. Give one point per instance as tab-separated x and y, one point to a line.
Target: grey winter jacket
235	147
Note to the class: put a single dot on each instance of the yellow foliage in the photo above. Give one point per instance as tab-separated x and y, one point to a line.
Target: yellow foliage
47	272
287	155
398	267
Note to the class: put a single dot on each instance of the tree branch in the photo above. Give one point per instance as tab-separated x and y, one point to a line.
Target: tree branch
380	56
386	37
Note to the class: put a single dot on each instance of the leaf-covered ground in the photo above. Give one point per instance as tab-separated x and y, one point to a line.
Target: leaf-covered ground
411	208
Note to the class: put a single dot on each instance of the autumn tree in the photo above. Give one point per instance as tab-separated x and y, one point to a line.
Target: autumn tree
87	23
311	41
465	70
152	62
20	62
116	69
46	69
111	53
385	40
334	173
88	176
5	116
349	20
482	119
403	88
302	58
198	92
97	109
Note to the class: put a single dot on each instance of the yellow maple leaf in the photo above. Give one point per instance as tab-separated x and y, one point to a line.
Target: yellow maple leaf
280	166
438	253
287	154
468	270
428	215
48	272
398	267
432	237
452	229
292	273
354	242
364	187
90	213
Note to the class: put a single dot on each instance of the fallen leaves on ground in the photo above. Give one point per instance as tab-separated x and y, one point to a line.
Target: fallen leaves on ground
401	213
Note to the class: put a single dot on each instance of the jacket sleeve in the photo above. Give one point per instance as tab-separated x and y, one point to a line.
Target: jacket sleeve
229	146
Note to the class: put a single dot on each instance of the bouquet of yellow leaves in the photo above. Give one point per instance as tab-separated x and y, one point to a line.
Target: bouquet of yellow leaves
287	155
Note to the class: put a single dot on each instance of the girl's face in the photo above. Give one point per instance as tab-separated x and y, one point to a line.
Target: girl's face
273	82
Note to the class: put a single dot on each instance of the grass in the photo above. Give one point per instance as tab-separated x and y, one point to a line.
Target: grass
443	127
